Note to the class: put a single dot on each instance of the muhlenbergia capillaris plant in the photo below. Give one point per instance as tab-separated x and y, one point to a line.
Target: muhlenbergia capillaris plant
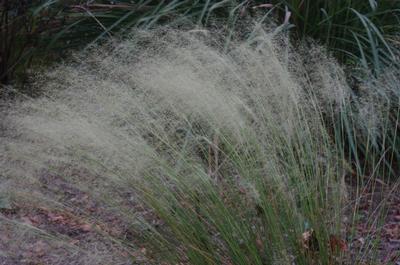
229	147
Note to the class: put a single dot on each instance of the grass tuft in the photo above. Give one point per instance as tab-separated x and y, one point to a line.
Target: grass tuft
239	153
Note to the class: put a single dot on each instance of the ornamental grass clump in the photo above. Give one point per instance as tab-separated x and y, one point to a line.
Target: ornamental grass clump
227	147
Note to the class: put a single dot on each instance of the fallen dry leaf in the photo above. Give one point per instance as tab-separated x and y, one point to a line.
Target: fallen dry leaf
259	243
86	227
309	240
337	244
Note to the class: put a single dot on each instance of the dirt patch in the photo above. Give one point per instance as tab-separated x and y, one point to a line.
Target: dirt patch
377	223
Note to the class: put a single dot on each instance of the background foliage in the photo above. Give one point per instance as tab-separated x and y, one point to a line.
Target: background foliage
358	32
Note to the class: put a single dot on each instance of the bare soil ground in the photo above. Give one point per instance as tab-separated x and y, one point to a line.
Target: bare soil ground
82	232
384	226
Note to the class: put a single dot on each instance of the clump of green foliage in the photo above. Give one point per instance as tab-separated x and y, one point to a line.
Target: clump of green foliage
358	32
21	25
